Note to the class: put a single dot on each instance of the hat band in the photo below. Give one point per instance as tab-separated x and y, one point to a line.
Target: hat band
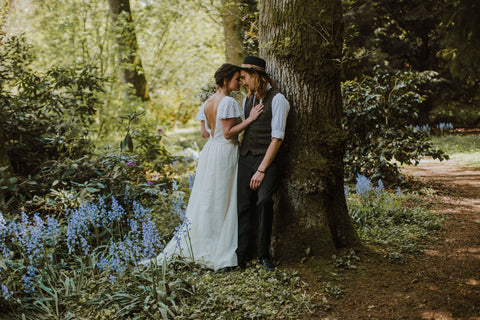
252	66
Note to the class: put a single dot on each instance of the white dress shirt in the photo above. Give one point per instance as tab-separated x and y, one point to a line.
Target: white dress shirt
280	108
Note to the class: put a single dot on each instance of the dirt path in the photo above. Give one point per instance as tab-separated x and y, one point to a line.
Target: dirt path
443	283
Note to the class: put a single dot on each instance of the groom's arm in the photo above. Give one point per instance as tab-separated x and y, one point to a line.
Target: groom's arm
270	155
280	108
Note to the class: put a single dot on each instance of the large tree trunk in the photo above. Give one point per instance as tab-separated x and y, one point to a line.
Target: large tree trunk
130	63
238	18
301	41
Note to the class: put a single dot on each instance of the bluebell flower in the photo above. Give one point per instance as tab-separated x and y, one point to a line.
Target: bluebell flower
191	180
380	188
5	292
30	279
151	239
399	191
3	236
140	213
52	231
116	212
363	186
3	225
103	264
35	239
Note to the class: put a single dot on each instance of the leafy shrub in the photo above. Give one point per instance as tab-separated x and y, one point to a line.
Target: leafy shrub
380	113
45	116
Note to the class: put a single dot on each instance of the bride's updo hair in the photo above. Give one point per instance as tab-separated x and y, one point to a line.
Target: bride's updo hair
225	72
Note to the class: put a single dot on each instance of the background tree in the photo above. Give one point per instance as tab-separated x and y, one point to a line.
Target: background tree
435	37
4	160
239	26
131	65
461	30
302	42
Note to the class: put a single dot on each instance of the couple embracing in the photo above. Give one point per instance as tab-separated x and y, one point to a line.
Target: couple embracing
233	179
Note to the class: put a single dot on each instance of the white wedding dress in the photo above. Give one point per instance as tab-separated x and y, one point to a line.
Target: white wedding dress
209	236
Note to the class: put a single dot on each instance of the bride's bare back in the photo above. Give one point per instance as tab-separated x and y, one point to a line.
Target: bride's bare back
211	107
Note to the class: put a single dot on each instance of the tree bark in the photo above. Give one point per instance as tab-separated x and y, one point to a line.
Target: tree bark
130	63
301	41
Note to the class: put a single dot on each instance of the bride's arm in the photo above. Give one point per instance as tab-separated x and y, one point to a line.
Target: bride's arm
231	130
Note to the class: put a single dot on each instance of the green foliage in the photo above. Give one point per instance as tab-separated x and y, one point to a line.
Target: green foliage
251	294
86	265
178	57
420	36
44	116
398	221
461	38
380	113
457	103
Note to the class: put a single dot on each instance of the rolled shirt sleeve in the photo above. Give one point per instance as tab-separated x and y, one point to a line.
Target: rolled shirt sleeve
280	108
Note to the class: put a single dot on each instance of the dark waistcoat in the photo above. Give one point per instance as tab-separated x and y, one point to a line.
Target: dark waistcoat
258	135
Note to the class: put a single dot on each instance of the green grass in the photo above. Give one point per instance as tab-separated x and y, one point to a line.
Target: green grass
398	222
462	149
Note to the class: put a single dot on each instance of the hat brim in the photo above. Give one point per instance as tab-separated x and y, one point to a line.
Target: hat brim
254	69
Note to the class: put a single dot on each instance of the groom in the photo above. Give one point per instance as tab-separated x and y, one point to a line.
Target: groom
257	167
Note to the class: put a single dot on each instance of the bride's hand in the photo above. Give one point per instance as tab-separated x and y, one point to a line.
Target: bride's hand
256	111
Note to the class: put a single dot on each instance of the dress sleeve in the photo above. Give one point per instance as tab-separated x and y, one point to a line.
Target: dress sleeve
229	108
201	113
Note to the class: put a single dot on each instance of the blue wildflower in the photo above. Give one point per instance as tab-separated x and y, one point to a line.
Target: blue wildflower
379	189
364	186
398	191
5	292
191	180
151	239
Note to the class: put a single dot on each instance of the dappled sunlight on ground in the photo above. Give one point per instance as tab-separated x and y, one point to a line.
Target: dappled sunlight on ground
441	284
435	315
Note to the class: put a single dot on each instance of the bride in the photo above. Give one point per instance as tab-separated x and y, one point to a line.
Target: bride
209	233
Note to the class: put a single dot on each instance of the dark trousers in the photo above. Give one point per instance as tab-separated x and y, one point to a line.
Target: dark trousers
248	200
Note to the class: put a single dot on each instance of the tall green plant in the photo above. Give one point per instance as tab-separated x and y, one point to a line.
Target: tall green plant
380	115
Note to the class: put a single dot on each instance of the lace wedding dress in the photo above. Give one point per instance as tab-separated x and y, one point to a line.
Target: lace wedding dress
209	234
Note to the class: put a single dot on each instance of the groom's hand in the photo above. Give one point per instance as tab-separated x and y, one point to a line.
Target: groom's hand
256	180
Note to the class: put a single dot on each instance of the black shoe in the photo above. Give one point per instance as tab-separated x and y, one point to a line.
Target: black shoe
224	270
267	264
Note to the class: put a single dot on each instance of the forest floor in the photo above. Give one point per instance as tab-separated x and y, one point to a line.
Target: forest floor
442	283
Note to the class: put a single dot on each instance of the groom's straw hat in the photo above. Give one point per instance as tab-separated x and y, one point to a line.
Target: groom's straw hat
256	64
